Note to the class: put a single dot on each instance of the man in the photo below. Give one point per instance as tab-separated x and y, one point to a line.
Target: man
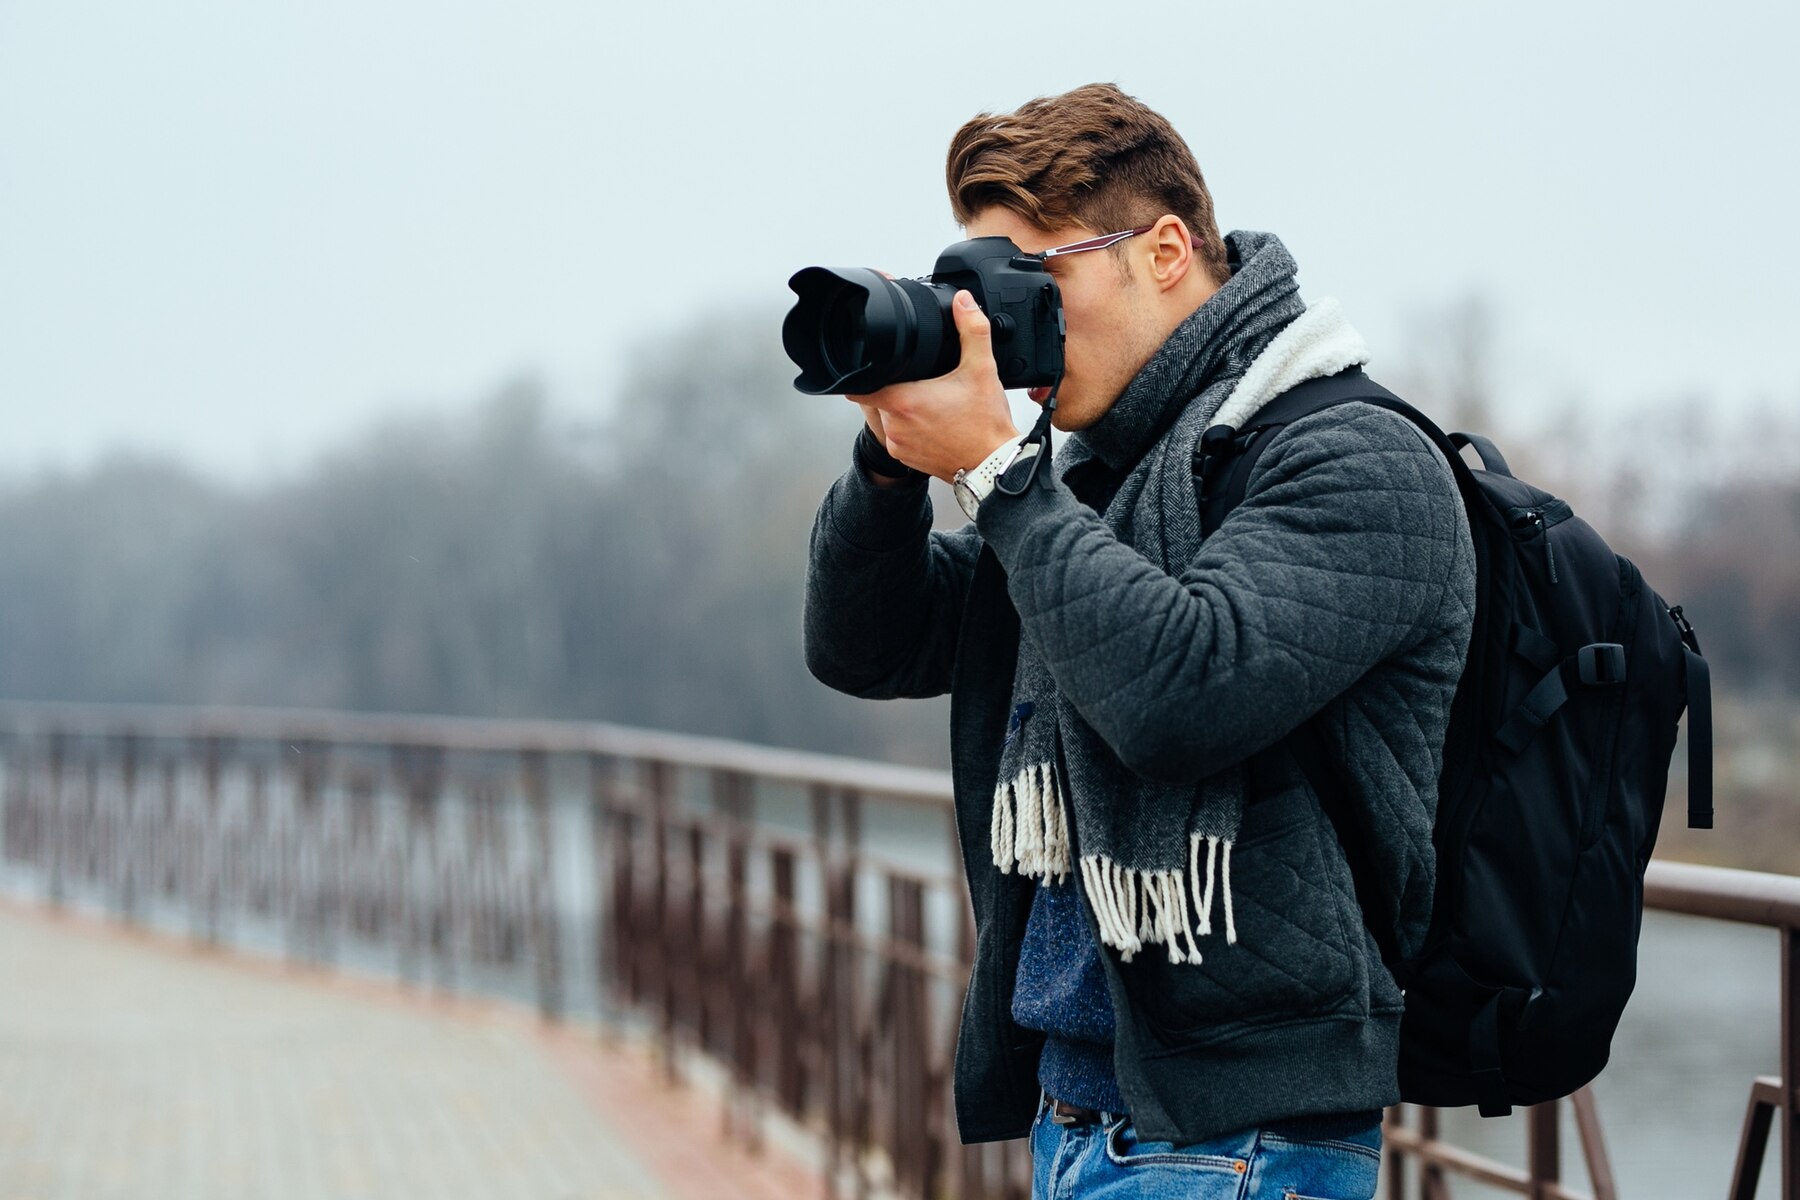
1172	968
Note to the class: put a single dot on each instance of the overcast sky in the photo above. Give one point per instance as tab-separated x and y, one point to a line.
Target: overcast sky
240	231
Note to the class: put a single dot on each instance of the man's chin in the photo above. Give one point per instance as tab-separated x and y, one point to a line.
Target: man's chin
1074	412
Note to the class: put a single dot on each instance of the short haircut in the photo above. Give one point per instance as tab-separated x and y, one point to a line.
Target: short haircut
1094	157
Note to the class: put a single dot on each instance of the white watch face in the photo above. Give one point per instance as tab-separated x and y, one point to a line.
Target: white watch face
965	495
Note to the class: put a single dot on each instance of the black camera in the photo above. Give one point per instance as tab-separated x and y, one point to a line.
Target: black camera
856	331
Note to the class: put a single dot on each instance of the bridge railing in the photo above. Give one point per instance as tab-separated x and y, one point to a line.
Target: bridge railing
797	921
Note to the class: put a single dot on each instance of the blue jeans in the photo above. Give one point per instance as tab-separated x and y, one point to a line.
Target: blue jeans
1107	1162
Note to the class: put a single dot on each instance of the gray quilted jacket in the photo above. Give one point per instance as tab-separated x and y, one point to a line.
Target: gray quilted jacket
1347	573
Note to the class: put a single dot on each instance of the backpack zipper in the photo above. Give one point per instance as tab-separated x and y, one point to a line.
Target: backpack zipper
1539	520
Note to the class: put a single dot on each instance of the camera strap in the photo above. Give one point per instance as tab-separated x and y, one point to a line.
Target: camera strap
1039	437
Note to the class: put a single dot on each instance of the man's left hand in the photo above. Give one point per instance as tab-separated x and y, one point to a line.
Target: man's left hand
951	423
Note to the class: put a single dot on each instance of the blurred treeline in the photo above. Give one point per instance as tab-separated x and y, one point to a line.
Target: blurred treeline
645	566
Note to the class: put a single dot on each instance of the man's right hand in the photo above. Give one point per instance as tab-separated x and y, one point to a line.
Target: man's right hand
872	416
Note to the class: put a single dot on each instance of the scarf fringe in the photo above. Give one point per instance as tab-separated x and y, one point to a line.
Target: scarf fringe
1133	908
1029	828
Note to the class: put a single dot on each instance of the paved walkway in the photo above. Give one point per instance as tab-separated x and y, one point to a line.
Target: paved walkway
133	1067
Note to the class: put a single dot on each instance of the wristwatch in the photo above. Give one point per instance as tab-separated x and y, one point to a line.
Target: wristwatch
971	487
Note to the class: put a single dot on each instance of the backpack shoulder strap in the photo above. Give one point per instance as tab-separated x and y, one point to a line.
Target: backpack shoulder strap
1223	461
1224	458
1700	737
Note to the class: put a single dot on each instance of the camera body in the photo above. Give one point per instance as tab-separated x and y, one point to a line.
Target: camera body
854	330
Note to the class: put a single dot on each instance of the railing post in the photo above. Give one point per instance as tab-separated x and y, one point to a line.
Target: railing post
87	826
655	939
420	772
437	912
14	801
601	829
1433	1183
690	950
130	850
1790	1063
213	840
545	928
742	1116
168	847
840	1006
783	967
627	964
1543	1149
442	881
55	838
1593	1144
365	889
909	1031
305	933
259	881
1775	1098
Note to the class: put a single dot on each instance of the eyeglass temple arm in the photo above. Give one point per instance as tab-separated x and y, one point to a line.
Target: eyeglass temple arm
1110	239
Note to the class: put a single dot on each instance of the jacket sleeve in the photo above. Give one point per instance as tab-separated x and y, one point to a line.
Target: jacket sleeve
884	593
1341	554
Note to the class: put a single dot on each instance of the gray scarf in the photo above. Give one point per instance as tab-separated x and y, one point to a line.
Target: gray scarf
1147	848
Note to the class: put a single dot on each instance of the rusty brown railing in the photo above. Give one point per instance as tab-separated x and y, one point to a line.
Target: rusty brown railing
1753	899
721	899
718	897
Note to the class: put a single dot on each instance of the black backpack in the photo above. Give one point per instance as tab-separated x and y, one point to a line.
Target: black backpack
1555	767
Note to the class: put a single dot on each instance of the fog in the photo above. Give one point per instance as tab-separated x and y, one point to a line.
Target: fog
237	234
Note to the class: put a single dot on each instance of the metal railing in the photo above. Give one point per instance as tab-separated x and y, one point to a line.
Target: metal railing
722	898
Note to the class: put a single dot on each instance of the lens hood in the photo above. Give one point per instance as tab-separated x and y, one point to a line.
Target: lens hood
842	327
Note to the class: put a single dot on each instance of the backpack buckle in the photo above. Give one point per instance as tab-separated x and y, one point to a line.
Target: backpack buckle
1601	664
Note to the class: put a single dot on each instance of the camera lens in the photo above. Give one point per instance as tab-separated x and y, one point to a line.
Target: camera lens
845	327
855	330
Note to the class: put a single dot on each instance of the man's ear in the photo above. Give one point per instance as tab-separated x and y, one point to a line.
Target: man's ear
1171	252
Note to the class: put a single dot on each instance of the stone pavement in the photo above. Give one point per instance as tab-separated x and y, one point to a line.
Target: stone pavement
132	1066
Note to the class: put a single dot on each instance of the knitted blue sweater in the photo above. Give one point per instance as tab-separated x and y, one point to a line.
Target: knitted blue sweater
1061	990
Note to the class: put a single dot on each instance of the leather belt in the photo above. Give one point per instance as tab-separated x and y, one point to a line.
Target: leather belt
1064	1113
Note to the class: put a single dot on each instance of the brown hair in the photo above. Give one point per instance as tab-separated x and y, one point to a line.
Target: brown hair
1094	157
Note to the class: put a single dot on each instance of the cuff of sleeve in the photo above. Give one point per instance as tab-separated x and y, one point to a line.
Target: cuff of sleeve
1005	520
878	519
873	457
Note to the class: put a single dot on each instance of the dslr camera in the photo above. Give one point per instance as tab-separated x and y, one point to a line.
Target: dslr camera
854	330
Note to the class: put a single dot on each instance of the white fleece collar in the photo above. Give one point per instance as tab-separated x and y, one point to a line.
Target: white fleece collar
1317	343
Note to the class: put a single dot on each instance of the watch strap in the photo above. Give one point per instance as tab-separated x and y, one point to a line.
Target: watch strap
977	484
874	459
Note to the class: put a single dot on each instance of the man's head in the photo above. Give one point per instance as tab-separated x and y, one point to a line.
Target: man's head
1090	162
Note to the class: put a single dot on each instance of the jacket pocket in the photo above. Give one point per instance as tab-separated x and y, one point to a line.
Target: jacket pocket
1295	911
